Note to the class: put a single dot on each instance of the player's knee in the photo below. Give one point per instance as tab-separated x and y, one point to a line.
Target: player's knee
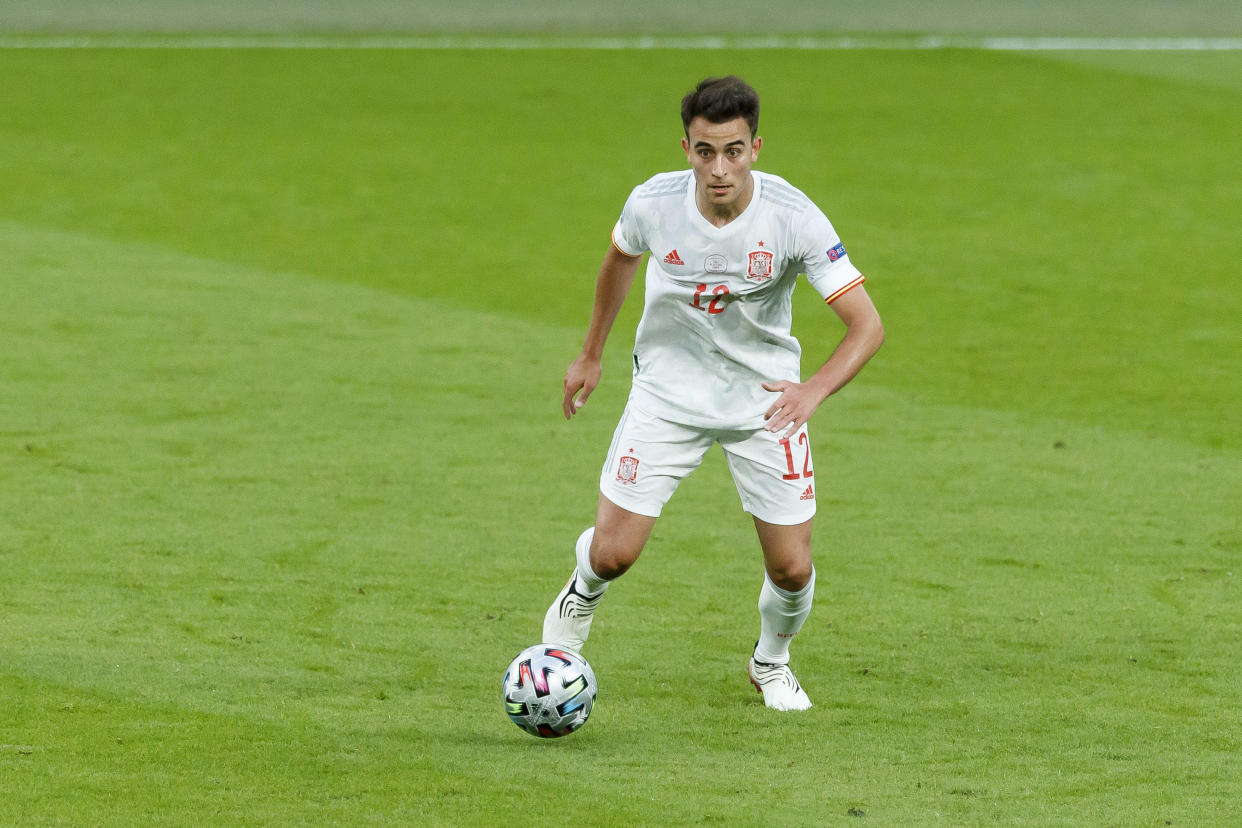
792	576
610	560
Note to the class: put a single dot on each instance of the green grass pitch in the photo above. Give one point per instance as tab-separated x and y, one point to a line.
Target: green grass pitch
284	484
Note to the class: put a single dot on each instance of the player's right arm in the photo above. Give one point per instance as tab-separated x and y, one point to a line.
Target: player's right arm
616	275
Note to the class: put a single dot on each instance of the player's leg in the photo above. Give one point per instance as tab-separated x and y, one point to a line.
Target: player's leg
617	539
602	553
788	588
784	603
773	476
647	460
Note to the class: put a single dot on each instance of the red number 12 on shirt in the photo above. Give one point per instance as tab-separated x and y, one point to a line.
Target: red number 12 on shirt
714	306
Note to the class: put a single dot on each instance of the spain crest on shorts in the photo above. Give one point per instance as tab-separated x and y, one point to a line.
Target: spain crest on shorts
760	269
627	471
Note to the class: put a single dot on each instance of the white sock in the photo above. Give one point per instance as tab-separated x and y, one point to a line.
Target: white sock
588	582
781	615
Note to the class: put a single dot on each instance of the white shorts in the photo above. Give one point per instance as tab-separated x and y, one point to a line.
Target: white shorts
650	456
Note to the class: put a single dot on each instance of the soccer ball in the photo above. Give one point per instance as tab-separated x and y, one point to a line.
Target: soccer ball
548	691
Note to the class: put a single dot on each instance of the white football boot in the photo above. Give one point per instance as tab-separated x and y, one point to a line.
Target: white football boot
568	620
776	682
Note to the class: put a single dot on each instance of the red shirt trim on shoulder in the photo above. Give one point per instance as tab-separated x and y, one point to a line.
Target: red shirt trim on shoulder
623	253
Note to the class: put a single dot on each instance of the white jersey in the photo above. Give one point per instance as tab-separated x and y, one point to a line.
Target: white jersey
717	313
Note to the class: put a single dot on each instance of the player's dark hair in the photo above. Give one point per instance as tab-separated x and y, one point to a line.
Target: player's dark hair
720	100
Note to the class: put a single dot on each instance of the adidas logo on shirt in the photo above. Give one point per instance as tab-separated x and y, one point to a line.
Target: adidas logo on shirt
673	258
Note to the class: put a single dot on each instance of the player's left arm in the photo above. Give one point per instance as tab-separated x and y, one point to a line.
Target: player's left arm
864	333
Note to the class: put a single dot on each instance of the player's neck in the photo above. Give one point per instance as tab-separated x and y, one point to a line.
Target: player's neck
722	214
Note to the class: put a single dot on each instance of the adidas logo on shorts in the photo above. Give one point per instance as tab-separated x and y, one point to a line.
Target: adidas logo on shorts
809	494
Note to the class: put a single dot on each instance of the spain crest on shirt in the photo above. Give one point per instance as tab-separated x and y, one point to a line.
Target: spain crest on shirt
760	269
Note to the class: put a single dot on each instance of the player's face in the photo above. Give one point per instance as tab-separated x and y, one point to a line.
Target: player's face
721	155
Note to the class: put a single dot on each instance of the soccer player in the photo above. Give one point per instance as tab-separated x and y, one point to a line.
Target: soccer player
714	362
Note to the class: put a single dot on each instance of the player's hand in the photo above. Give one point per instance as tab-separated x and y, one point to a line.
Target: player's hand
795	405
582	376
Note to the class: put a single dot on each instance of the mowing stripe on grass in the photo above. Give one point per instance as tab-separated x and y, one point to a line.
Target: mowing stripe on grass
244	513
999	43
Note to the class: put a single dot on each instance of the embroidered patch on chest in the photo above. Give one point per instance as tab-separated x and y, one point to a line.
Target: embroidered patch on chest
760	267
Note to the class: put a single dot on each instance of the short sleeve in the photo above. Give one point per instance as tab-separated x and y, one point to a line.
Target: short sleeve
827	266
628	234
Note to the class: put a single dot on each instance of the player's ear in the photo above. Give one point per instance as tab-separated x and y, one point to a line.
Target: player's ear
756	145
685	145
